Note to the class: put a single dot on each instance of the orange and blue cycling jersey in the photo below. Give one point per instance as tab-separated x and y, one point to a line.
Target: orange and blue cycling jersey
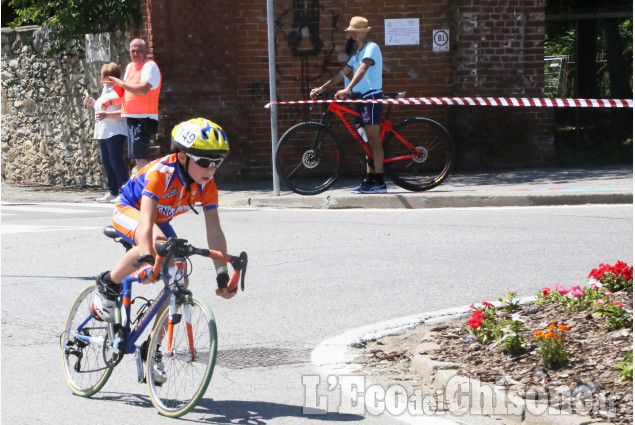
164	181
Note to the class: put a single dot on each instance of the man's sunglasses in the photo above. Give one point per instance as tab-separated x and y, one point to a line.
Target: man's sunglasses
204	162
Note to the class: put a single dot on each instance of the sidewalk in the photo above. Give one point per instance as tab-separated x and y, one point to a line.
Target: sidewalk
525	187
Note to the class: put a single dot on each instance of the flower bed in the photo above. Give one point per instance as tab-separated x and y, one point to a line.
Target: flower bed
574	344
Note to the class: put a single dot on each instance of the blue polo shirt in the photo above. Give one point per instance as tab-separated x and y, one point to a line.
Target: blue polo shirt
372	81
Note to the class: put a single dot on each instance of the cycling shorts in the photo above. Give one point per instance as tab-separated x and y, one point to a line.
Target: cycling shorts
125	220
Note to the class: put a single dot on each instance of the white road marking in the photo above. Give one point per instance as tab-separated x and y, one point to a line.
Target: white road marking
37	208
6	229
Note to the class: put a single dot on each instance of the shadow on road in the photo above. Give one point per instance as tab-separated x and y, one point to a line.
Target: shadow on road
255	412
232	411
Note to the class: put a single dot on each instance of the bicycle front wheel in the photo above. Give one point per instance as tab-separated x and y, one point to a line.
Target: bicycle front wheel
82	349
308	158
181	361
427	166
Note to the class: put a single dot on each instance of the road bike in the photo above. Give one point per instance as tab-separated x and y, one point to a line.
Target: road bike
187	329
418	152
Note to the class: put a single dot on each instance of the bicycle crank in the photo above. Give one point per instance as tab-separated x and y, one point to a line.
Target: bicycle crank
113	351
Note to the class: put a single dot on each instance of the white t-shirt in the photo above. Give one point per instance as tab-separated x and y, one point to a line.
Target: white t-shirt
109	127
149	74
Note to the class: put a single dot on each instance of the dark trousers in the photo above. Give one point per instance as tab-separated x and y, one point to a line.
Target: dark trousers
111	156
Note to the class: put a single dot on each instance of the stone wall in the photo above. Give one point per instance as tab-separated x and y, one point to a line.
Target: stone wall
46	129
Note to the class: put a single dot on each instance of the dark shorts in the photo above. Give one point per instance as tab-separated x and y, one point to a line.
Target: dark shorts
370	113
140	132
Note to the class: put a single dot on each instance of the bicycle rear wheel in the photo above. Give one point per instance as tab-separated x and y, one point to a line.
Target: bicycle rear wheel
308	158
433	162
84	367
188	375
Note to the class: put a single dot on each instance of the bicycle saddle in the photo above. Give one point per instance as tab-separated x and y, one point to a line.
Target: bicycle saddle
110	232
395	95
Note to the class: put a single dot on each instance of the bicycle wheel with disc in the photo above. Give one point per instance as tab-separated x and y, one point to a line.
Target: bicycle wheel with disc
427	166
85	370
308	158
177	379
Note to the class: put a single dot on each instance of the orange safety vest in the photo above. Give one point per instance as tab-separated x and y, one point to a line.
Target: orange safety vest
135	104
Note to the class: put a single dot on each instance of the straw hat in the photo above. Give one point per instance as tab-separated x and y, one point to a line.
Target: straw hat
358	24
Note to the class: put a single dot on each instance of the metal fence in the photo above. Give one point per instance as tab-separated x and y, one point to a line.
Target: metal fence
593	59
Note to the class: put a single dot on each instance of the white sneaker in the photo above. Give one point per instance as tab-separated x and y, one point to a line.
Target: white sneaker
106	198
102	309
158	374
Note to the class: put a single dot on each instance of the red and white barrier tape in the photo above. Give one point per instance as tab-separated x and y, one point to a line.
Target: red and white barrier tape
484	101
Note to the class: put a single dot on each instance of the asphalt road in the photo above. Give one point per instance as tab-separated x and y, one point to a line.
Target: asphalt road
313	274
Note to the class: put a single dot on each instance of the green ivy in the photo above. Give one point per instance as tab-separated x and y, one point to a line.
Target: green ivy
75	18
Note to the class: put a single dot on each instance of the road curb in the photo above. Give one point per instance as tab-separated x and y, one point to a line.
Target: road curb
432	200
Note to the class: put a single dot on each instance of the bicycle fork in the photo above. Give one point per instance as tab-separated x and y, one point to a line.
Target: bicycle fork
174	319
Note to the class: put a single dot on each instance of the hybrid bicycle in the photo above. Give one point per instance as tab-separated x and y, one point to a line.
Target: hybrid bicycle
186	330
418	152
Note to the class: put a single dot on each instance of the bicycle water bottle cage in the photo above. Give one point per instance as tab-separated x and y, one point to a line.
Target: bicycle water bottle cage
141	310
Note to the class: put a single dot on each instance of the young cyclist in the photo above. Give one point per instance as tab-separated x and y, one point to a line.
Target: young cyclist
161	190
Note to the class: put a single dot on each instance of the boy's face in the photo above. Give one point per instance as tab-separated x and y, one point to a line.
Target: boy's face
199	174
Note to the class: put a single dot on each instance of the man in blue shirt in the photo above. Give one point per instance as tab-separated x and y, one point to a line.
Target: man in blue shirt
364	69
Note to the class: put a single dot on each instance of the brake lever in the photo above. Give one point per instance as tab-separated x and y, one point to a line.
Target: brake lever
240	263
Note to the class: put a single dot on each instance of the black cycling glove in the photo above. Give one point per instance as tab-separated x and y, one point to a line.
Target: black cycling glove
222	279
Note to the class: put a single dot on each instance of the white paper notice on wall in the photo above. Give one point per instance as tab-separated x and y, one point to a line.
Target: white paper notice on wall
441	40
401	32
98	47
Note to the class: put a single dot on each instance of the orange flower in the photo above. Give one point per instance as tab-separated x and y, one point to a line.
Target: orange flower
550	335
538	334
550	328
563	328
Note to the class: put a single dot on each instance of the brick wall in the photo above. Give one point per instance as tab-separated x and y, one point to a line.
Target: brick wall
500	53
214	60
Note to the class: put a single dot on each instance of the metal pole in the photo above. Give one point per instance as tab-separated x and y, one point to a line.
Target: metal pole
272	96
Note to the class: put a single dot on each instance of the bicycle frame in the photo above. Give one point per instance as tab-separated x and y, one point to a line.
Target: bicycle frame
385	125
130	337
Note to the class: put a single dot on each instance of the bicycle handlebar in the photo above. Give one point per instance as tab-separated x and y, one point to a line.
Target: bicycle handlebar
387	95
179	247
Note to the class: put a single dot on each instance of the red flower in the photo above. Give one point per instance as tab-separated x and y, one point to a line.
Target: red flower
486	304
545	291
478	315
619	269
474	323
